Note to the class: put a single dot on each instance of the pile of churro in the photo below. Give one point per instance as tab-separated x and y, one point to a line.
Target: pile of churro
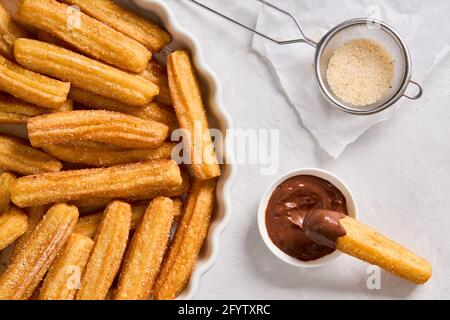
92	203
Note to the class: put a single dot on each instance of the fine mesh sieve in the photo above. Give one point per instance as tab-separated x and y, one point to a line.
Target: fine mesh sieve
361	28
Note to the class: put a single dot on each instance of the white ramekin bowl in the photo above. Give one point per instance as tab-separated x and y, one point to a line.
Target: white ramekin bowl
338	183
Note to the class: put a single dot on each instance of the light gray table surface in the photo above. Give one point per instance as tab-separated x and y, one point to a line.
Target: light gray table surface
399	172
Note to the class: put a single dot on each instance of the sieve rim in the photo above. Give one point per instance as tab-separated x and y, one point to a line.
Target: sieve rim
331	97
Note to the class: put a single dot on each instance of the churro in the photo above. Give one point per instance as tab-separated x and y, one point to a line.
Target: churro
151	111
17	156
44	36
35	215
13	224
32	87
100	126
191	115
366	244
189	237
158	75
88	35
146	251
7	181
9	32
63	279
97	155
131	180
88	225
170	192
26	271
83	72
110	242
15	111
130	24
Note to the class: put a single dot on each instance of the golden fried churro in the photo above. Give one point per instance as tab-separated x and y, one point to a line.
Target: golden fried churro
158	75
35	215
368	245
189	237
110	242
88	35
44	36
26	271
178	207
191	115
146	251
101	126
131	180
9	32
64	277
32	87
88	225
7	181
15	111
17	156
151	111
97	155
137	28
13	224
84	73
175	191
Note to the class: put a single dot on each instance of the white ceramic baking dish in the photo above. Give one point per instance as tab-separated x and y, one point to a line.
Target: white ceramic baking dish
158	11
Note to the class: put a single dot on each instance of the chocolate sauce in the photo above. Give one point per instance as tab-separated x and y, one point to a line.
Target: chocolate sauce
288	209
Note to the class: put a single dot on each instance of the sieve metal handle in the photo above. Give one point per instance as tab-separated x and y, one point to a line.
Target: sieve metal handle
419	93
304	39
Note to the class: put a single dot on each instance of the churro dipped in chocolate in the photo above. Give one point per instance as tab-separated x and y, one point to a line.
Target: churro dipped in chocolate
84	33
27	270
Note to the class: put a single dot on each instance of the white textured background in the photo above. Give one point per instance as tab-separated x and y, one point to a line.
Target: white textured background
399	172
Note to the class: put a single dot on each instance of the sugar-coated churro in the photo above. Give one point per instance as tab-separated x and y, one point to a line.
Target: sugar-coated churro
189	237
9	32
26	271
35	215
83	72
97	155
64	277
131	180
13	224
44	36
88	35
88	225
146	251
110	242
136	27
15	111
32	87
191	115
151	111
170	192
7	181
366	244
158	75
101	126
17	156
